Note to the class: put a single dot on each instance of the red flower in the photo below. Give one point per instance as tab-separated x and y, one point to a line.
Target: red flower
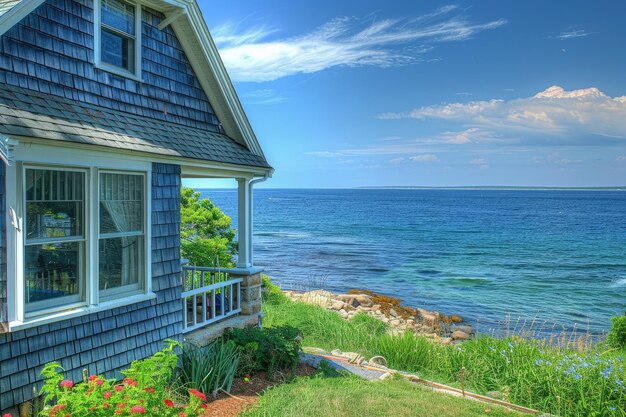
119	411
92	378
7	415
204	405
169	403
106	405
130	381
108	394
120	405
56	408
96	380
137	409
66	383
181	414
197	394
150	390
119	388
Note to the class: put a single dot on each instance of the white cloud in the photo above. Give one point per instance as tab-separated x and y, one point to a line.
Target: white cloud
478	161
326	154
251	56
575	33
621	158
396	161
425	158
263	96
553	116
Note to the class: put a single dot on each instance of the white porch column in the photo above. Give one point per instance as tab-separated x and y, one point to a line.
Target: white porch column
244	228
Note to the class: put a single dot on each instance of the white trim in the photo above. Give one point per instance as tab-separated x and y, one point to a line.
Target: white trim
244	224
50	157
17	13
192	168
83	311
170	18
97	42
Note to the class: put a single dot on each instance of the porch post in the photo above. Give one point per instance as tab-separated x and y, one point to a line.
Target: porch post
244	198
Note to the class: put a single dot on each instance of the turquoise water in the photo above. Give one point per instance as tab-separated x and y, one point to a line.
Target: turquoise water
556	256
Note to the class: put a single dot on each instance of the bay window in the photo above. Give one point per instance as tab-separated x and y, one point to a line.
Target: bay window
85	239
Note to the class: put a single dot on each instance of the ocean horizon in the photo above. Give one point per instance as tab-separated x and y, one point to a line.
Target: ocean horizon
497	257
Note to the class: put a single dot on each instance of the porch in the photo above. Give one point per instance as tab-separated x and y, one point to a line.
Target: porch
214	299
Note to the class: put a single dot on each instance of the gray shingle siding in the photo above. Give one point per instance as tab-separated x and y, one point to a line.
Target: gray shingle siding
108	341
51	51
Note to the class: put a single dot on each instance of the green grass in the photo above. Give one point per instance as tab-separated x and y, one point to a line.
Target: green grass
529	373
350	396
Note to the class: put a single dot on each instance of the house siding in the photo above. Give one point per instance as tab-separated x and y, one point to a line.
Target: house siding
52	51
108	341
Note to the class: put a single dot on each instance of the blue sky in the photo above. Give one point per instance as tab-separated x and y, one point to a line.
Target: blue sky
358	93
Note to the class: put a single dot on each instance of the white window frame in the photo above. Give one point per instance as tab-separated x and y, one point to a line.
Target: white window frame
44	157
112	294
97	45
85	240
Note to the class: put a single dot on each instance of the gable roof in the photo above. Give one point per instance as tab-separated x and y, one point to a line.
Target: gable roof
28	113
188	24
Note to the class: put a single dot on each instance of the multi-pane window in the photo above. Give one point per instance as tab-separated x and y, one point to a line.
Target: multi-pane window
54	252
119	34
121	240
61	246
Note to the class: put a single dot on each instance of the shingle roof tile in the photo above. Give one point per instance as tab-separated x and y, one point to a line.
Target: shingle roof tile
25	112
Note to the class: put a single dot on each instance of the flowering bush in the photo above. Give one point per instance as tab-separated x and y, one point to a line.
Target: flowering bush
143	391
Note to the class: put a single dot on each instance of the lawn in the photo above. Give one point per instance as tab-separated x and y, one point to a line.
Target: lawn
350	396
531	373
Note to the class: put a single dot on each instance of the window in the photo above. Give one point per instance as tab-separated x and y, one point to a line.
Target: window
121	240
82	245
118	31
54	252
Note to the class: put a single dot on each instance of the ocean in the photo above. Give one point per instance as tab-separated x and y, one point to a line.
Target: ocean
491	256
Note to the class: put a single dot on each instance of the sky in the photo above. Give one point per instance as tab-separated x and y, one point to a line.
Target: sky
415	93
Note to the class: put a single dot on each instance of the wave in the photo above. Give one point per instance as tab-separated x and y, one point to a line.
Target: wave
619	283
292	235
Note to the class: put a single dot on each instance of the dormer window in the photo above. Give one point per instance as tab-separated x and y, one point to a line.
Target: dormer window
118	32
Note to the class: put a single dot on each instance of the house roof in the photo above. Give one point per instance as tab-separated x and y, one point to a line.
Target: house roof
28	113
188	24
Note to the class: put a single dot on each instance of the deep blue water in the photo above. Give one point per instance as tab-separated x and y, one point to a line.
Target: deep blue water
558	256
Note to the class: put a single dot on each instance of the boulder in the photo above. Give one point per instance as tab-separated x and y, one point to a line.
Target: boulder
356	300
393	313
319	298
455	318
460	335
466	329
445	340
337	305
394	323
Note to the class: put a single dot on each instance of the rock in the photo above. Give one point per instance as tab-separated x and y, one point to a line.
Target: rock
393	313
460	335
343	313
336	352
319	298
455	318
394	323
445	340
337	305
385	320
466	329
376	307
428	318
356	300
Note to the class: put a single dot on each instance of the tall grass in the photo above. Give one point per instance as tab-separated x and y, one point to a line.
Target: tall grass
562	379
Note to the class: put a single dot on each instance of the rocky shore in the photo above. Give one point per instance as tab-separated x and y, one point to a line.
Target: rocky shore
389	310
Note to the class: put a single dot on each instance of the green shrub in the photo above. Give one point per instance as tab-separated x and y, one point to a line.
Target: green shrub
144	390
617	335
269	350
209	368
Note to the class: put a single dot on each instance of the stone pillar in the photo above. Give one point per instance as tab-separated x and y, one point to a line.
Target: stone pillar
250	290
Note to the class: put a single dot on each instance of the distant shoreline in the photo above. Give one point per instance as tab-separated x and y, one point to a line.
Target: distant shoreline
460	188
494	187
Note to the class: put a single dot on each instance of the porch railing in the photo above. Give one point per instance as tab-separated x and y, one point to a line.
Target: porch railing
209	295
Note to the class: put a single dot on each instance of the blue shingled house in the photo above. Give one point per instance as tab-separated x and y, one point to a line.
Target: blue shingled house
105	105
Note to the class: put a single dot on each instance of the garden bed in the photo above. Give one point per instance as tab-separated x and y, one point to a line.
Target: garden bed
245	393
